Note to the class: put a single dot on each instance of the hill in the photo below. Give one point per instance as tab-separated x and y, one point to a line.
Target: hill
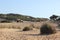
18	17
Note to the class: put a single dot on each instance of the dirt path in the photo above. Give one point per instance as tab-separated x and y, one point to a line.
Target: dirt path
16	34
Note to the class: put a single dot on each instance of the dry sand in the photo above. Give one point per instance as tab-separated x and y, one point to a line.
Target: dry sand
16	34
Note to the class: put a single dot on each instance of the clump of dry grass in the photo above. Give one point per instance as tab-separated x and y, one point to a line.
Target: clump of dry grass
47	29
27	28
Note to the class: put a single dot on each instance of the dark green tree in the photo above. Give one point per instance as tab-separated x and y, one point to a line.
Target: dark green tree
53	17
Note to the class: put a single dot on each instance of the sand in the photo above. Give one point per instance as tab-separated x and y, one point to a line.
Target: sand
17	34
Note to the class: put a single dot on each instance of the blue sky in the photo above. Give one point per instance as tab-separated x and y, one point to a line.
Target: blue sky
35	8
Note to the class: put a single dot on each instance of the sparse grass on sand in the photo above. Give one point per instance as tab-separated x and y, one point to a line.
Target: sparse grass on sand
17	34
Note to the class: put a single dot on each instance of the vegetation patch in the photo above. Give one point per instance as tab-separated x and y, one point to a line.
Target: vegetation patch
27	28
47	29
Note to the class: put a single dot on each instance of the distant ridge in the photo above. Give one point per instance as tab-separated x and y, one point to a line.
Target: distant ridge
14	17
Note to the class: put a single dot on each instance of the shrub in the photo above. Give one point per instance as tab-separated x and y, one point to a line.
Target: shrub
47	29
27	28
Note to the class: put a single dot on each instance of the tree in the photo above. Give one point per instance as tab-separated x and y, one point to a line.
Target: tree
53	17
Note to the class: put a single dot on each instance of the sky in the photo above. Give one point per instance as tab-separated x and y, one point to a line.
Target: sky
35	8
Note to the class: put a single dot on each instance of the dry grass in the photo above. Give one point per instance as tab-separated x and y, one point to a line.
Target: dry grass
17	34
20	25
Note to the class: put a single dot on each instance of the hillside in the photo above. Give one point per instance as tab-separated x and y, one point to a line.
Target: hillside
15	17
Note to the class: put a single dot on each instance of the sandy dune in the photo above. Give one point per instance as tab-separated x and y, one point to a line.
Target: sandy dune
16	34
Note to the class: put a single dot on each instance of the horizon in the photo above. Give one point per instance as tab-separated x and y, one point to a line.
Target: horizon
21	14
27	15
34	8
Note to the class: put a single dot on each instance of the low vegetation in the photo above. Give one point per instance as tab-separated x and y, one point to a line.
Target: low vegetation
47	29
10	17
27	28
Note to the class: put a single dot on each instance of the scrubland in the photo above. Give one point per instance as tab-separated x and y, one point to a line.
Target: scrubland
13	31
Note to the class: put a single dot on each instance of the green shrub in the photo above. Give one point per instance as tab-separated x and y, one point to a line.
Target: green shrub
27	28
47	29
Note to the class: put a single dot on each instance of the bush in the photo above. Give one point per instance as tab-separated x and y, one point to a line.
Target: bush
47	29
27	28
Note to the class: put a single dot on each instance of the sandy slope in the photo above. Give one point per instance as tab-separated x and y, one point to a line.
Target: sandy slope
16	34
